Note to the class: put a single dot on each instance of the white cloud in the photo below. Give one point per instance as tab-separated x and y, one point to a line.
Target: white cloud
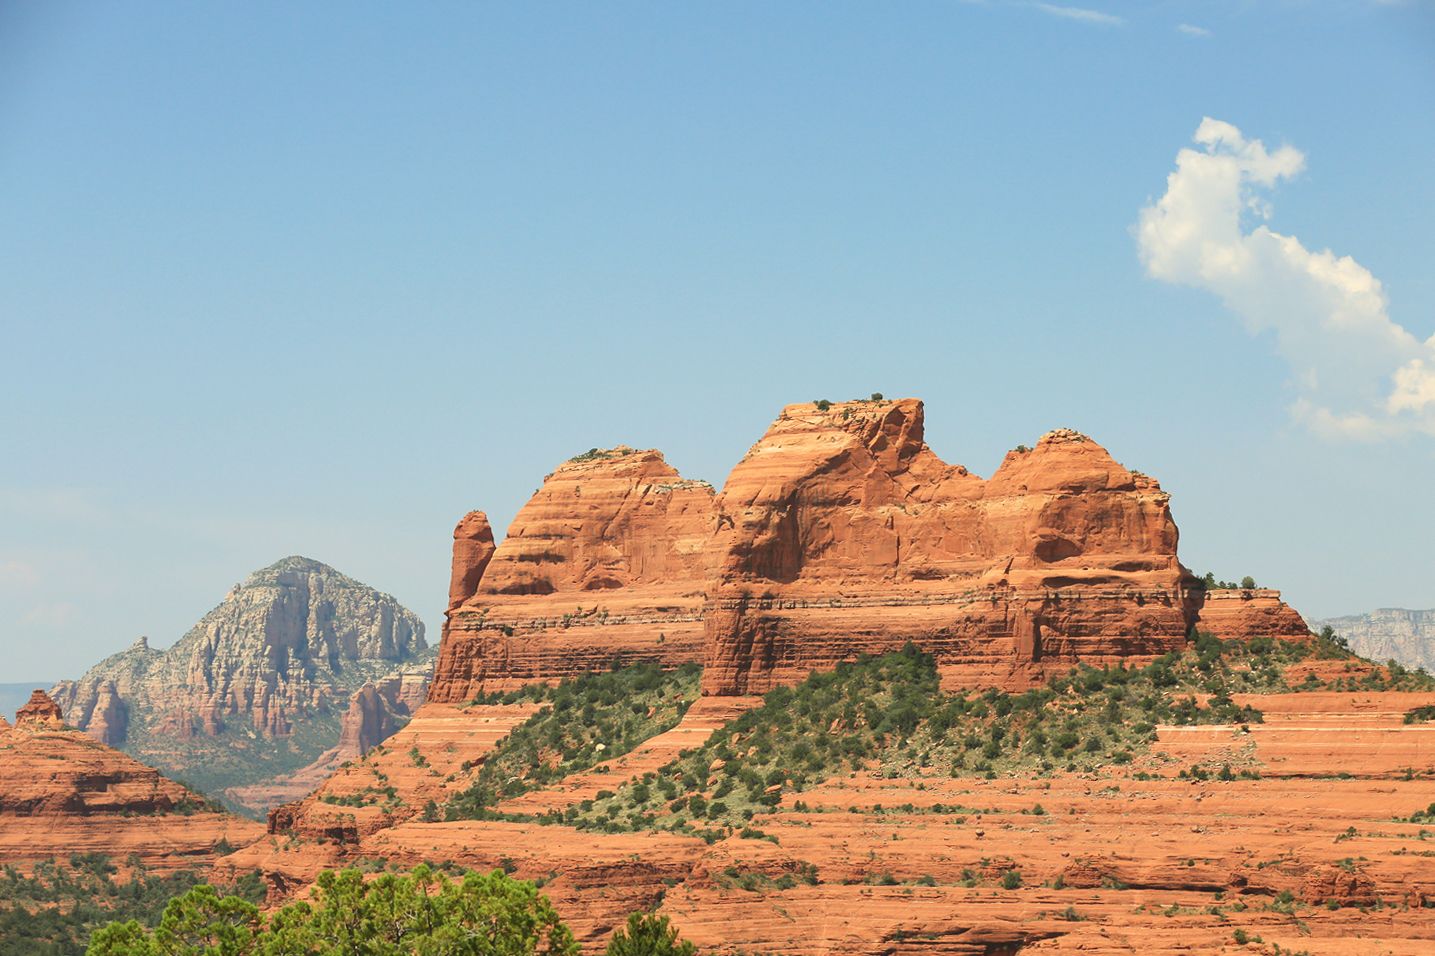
1356	372
1080	13
1193	31
19	574
54	616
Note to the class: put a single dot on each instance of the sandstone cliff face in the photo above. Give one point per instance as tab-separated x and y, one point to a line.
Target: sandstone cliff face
473	548
279	659
607	561
1243	614
1407	637
380	708
63	792
839	533
842	533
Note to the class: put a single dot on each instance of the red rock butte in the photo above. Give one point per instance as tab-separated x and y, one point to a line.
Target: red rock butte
609	560
839	533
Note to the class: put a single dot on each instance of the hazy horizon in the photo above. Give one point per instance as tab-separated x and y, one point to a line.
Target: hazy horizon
318	280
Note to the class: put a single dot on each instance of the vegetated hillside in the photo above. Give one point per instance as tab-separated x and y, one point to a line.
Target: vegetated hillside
888	712
1277	790
1389	634
53	909
257	689
587	720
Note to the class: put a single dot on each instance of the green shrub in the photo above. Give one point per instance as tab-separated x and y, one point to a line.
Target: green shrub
590	719
424	912
648	935
1420	715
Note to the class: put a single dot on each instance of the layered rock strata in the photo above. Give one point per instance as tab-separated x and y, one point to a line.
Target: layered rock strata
842	533
63	792
1247	613
607	562
839	533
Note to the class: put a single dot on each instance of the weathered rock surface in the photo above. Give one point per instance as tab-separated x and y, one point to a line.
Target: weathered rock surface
1246	613
40	709
376	711
277	661
607	561
63	792
843	533
434	757
473	548
1407	637
839	533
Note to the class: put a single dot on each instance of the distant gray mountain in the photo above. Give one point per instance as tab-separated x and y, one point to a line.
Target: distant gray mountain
13	696
1390	633
256	689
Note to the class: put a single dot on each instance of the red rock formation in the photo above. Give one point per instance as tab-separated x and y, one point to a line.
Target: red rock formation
608	560
63	792
376	711
843	533
472	550
1243	614
40	709
839	533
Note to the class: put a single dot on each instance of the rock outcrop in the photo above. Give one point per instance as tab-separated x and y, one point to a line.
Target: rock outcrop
607	562
380	708
277	660
473	548
62	792
376	711
1389	634
1231	613
839	533
41	709
842	533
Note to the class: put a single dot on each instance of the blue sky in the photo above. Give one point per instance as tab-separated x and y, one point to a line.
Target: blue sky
319	278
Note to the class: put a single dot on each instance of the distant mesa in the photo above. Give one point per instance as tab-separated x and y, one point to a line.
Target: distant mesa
1404	636
273	667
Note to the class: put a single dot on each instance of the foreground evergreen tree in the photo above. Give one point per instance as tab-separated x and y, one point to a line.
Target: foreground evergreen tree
423	914
648	936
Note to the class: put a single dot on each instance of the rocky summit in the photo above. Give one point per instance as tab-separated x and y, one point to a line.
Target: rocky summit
259	687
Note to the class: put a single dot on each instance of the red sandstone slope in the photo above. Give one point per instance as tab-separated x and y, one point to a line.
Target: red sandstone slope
844	533
607	560
63	792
